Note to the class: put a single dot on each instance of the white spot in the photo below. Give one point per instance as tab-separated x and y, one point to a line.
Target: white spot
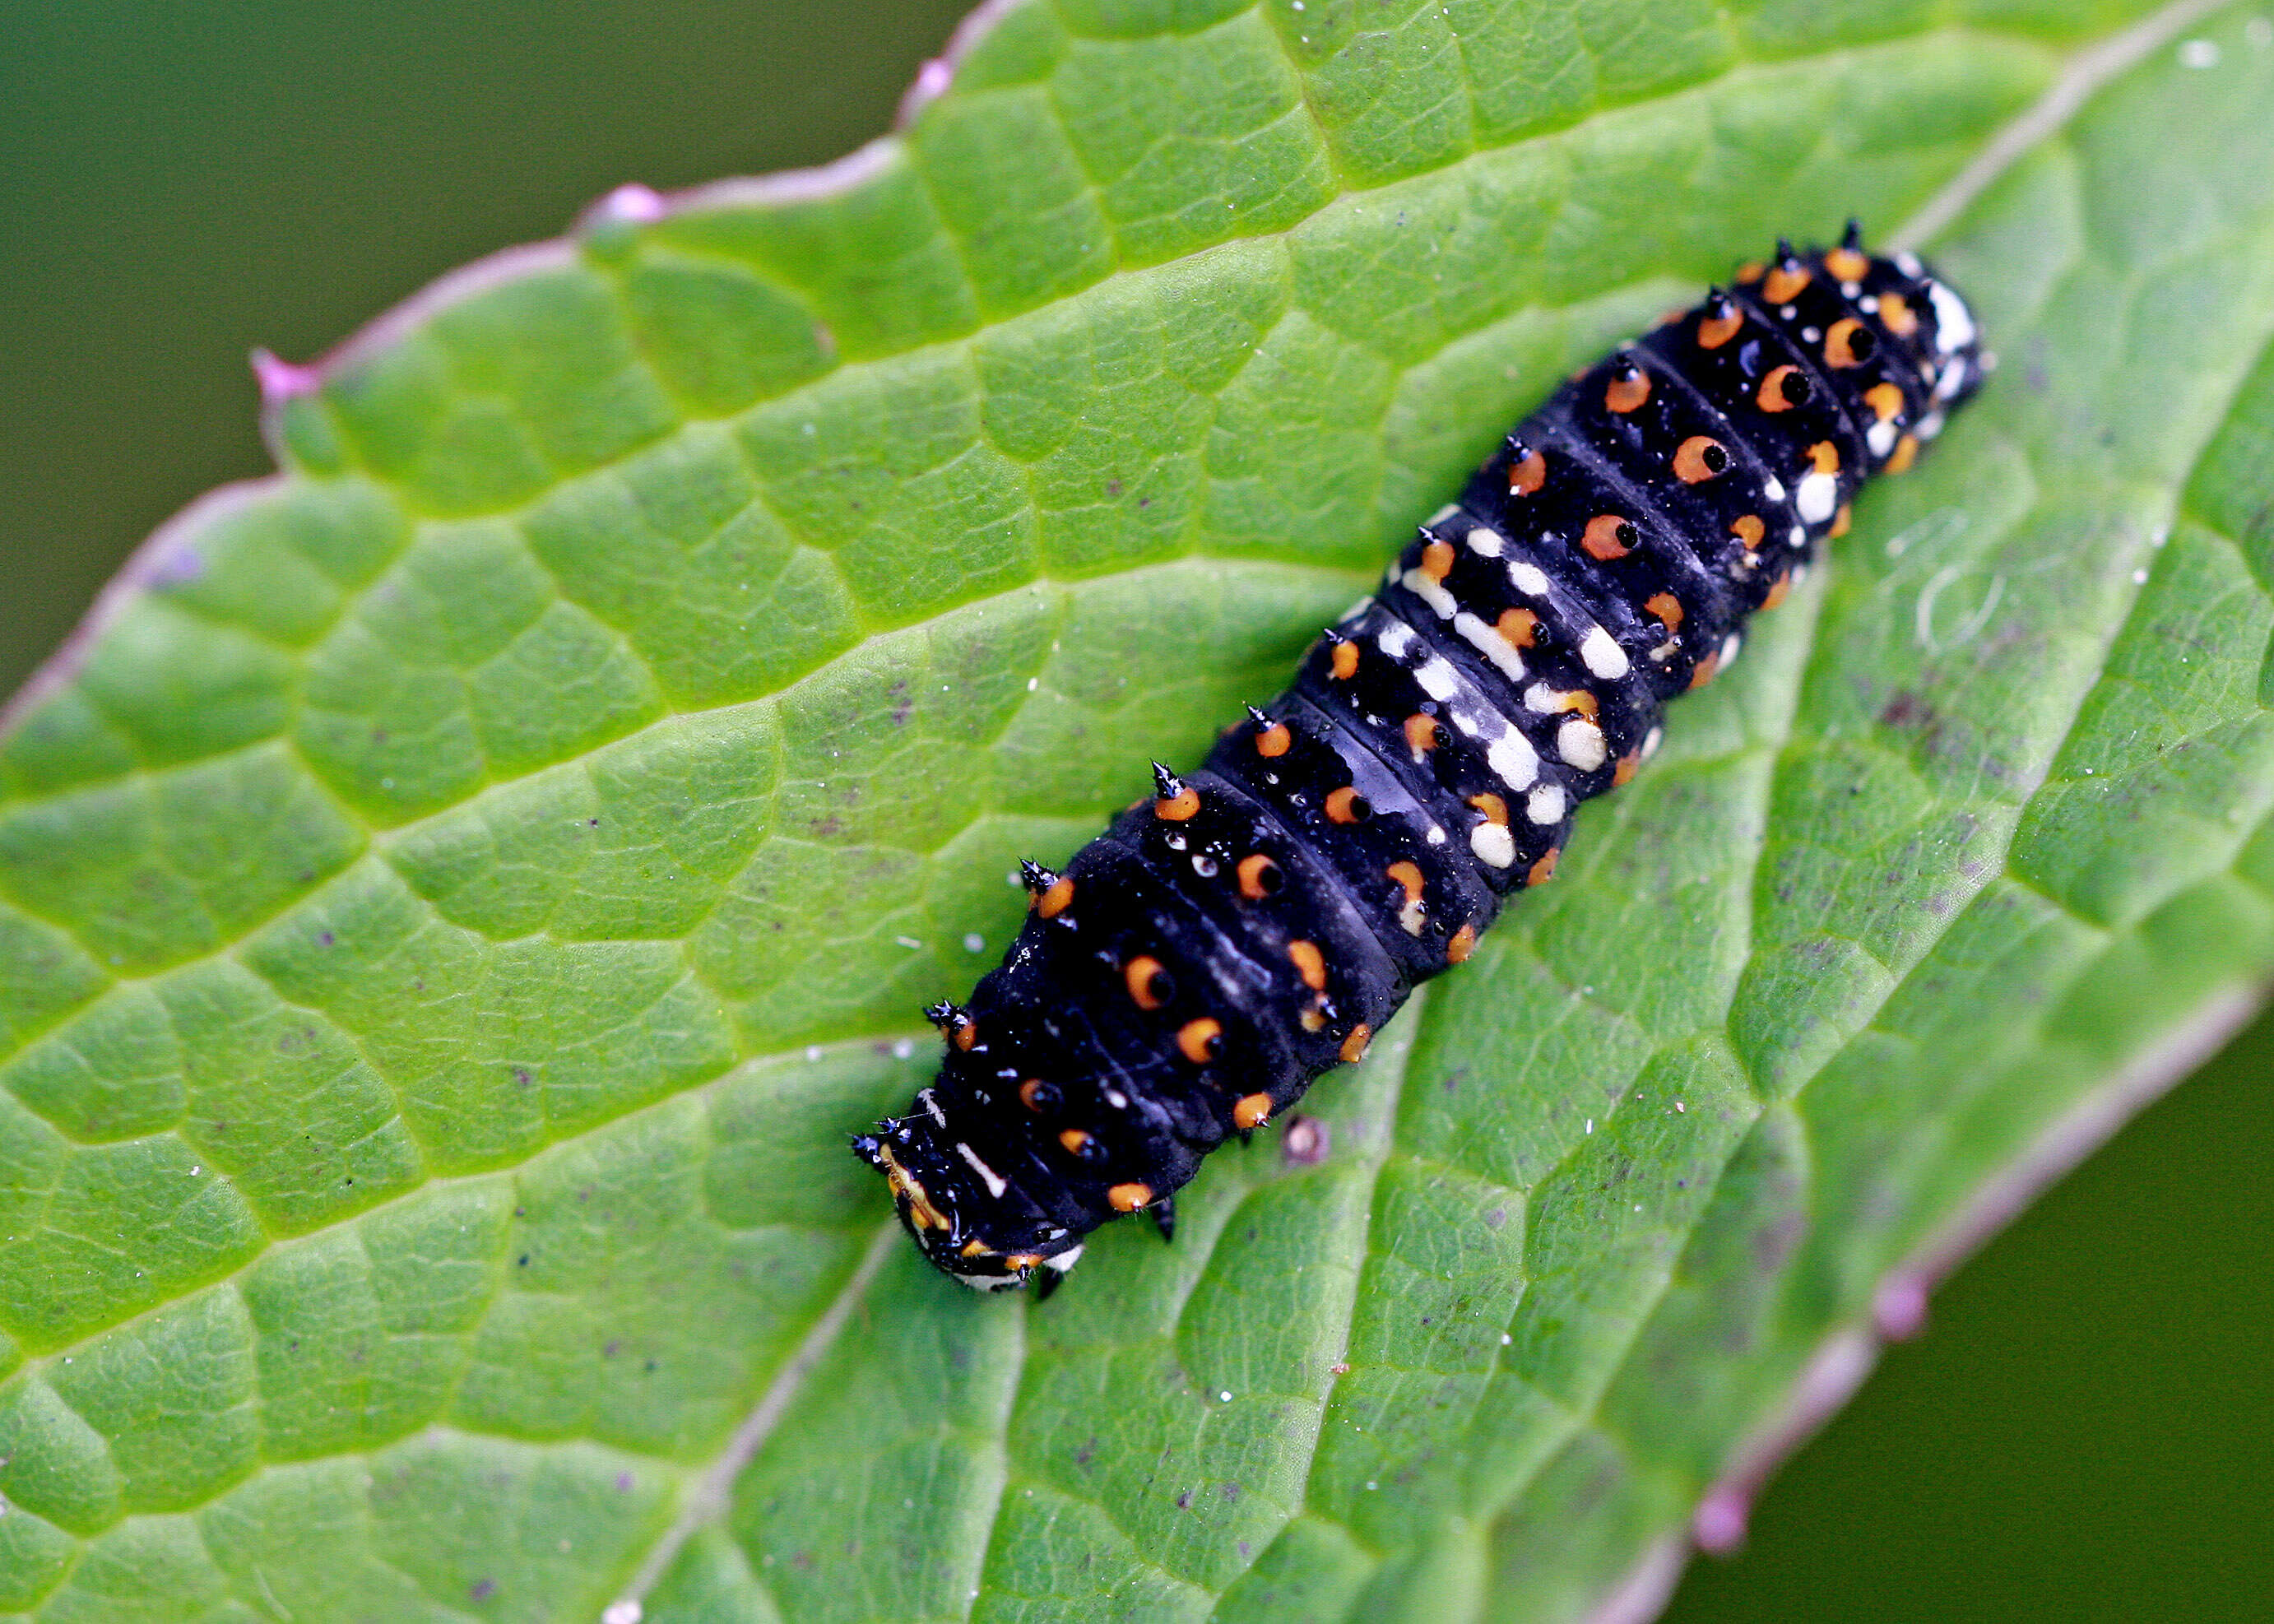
1849	289
1810	335
1603	656
1447	510
1907	263
1412	915
1773	489
1880	437
1868	303
905	1047
974	943
1506	1340
1544	805
1732	645
1463	720
1819	495
924	1098
1651	740
1223	1398
1799	537
1527	578
625	1612
2139	577
1930	426
1064	1260
1580	742
996	1183
1117	1099
1436	836
1437	678
1953	323
2199	53
1487	640
1952	379
1394	639
1513	760
1484	541
1493	844
812	1053
911	943
1033	683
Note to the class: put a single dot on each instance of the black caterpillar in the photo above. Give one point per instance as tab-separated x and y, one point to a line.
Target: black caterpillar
1256	922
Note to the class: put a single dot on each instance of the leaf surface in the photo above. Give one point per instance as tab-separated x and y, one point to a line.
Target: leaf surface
456	900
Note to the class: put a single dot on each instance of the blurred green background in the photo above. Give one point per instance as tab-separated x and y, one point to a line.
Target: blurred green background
2086	1433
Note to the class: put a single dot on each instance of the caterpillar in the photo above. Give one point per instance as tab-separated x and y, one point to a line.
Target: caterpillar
1255	922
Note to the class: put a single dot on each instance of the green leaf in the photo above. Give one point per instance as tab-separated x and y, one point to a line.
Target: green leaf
456	899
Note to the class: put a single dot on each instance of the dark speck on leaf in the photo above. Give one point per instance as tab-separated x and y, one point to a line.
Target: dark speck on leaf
649	1366
523	1260
593	823
521	1075
323	938
1086	1454
1113	487
1231	1491
1495	1218
482	1590
623	1483
1245	1550
521	1212
1185	1500
610	1350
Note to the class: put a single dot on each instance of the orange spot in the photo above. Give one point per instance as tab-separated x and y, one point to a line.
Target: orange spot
1184	804
1748	529
1198	1041
1609	536
1420	732
968	1033
1704	672
1075	1142
1715	331
1840	520
1408	877
1847	265
1625	394
1824	456
1885	400
1772	397
1354	1046
1034	1093
1783	284
1251	1110
1577	699
1750	270
1464	944
1492	806
1310	964
1778	593
1896	315
1527	474
1840	343
1054	901
1437	559
1257	878
1347	806
1311	1020
1145	976
1625	769
975	1249
1665	606
1520	627
1543	870
1274	739
1019	1262
1129	1197
1343	661
1905	454
1696	458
